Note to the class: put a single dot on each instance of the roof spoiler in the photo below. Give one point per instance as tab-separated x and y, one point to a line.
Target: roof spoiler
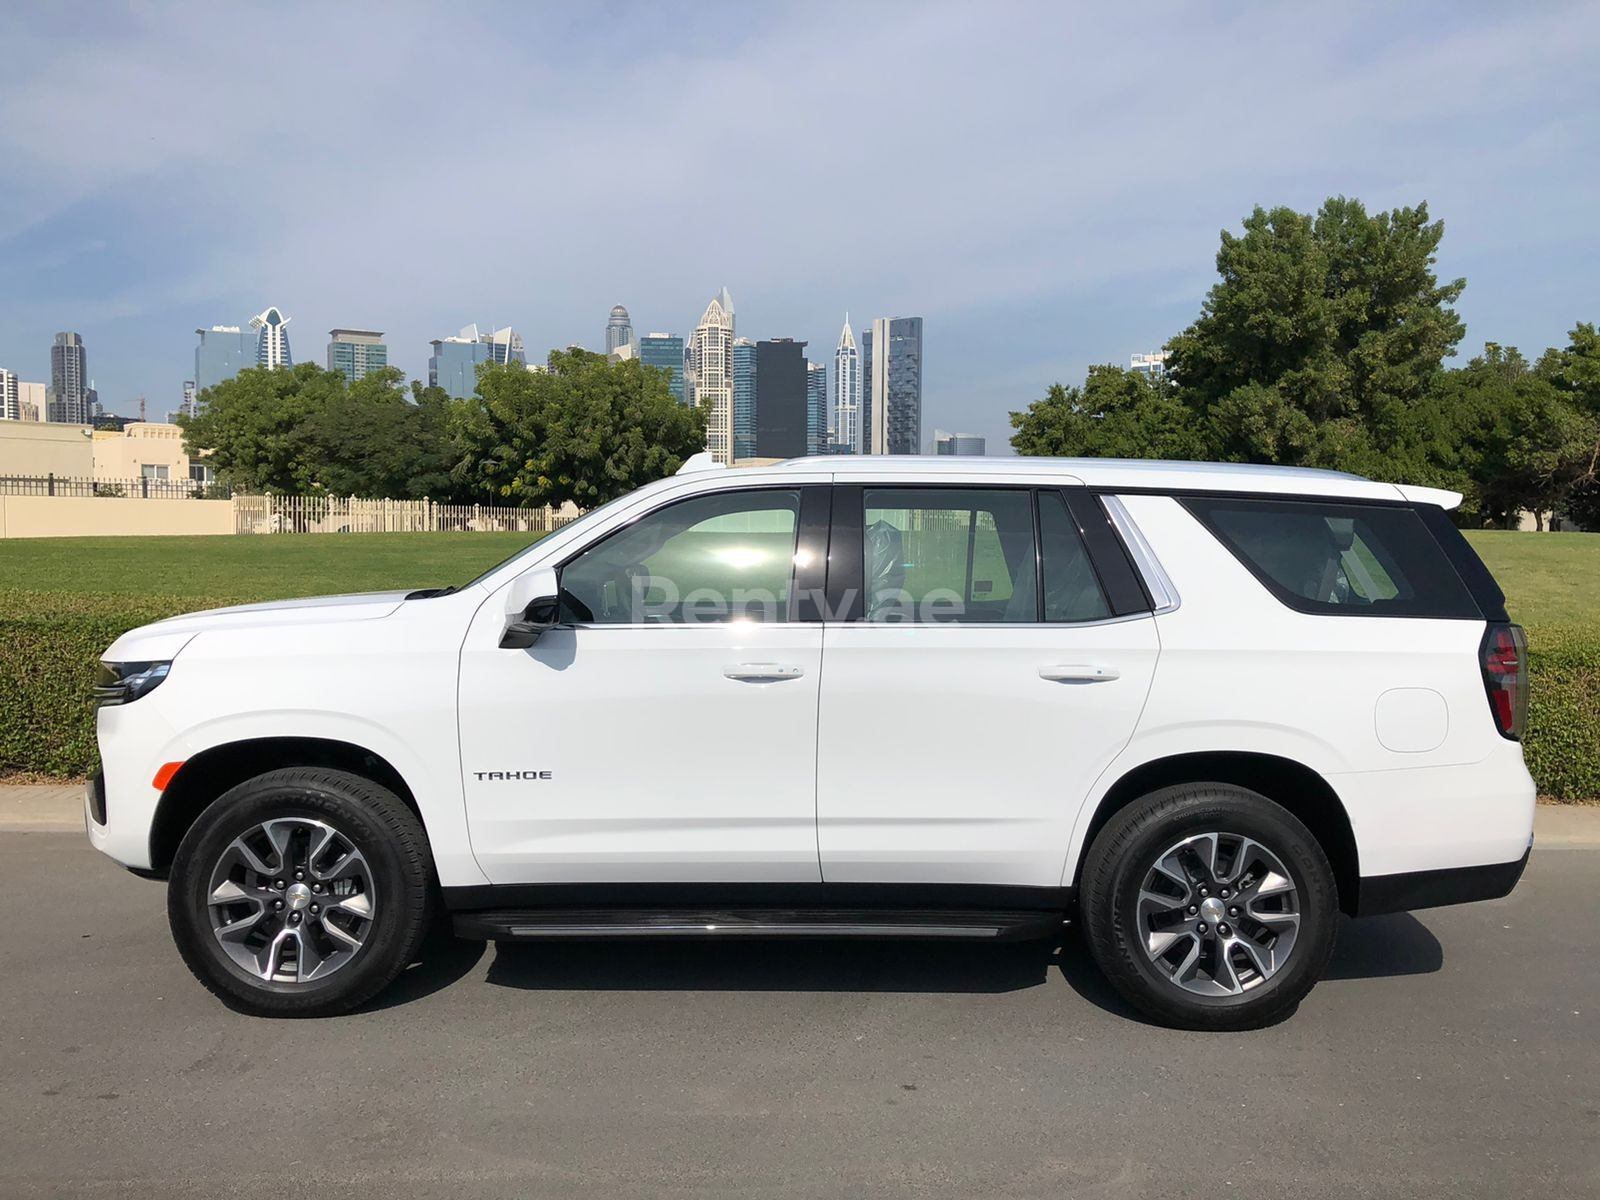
1427	495
706	461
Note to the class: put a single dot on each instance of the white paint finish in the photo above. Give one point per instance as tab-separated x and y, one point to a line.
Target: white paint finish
907	753
944	757
1411	720
663	769
1241	672
385	684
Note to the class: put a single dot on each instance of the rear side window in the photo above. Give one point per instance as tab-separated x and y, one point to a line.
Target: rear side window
1327	557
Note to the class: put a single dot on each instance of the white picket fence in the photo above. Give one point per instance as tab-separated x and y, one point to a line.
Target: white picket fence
351	514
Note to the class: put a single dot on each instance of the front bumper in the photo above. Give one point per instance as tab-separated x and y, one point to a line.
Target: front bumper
1433	889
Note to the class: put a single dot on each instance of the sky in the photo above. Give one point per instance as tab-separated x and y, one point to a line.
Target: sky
1045	184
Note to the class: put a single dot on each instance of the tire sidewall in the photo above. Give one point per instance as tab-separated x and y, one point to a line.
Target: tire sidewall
399	895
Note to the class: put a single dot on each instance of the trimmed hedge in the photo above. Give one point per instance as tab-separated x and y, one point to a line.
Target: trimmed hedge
49	644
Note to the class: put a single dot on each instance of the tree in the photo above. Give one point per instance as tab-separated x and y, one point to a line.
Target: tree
1575	372
255	427
587	431
306	429
1505	436
1320	338
1116	414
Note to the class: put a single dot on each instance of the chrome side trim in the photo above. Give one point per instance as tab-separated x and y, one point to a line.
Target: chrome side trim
1163	595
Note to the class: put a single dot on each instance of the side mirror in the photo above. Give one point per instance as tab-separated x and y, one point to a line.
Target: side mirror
533	605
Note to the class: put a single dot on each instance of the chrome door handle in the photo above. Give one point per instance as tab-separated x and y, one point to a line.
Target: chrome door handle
1079	674
763	672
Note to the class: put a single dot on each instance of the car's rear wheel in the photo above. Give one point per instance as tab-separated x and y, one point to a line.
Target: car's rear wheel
301	892
1209	906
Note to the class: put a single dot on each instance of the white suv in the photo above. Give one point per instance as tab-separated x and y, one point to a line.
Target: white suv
1201	709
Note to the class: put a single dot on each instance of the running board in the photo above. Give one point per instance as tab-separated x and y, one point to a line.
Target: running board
542	924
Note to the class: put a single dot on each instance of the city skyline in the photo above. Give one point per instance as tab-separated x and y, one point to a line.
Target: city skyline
1028	266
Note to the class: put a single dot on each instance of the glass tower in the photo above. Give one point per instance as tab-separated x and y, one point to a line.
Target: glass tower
744	398
664	351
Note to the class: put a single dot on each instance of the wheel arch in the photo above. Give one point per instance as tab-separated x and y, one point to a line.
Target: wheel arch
1292	784
205	777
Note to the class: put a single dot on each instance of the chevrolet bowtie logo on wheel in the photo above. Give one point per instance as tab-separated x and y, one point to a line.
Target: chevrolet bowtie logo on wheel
496	776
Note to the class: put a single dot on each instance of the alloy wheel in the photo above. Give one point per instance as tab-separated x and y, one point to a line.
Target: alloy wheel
1218	914
291	900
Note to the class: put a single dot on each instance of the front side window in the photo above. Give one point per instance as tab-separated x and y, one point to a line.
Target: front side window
1339	559
704	560
948	555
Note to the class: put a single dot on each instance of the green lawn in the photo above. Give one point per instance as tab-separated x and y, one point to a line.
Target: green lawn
269	567
1548	578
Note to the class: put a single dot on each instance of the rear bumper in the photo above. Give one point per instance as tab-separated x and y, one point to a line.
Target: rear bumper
1433	889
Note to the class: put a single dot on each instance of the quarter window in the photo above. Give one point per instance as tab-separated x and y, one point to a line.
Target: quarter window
948	555
1339	559
725	556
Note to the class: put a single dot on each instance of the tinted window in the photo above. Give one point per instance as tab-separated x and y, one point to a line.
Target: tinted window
1071	589
711	558
1347	559
948	554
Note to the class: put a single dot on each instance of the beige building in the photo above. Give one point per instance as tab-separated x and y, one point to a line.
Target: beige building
143	449
38	448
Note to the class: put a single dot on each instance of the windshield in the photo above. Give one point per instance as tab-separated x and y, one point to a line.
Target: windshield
579	523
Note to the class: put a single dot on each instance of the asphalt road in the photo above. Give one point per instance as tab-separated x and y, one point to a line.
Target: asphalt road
1456	1053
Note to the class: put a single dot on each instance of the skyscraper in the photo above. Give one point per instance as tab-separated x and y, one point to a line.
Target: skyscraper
711	353
454	363
70	399
272	339
223	352
965	444
744	398
896	408
864	443
356	352
782	419
10	396
816	408
845	422
190	406
664	351
619	329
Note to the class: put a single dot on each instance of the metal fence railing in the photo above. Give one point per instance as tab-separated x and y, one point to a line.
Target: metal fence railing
351	514
143	488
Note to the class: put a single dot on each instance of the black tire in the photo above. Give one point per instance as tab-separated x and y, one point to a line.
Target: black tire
369	817
1125	852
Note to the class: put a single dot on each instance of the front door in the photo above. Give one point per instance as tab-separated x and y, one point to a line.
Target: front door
970	702
670	723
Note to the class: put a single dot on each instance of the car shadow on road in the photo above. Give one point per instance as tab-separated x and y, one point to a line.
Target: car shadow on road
1372	948
1377	947
794	966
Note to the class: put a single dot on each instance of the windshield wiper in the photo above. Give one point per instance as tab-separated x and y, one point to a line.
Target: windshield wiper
429	593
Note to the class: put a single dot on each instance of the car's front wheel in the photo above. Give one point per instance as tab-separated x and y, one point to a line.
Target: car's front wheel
1209	906
301	892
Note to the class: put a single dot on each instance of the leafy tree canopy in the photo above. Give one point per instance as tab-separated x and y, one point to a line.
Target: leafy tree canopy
587	431
1116	414
307	429
1320	334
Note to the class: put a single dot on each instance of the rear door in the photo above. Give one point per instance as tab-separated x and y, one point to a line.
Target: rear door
982	670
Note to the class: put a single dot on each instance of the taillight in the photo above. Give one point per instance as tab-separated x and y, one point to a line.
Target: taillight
1504	655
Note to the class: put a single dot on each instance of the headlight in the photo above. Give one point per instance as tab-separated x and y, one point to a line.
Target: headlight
123	683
